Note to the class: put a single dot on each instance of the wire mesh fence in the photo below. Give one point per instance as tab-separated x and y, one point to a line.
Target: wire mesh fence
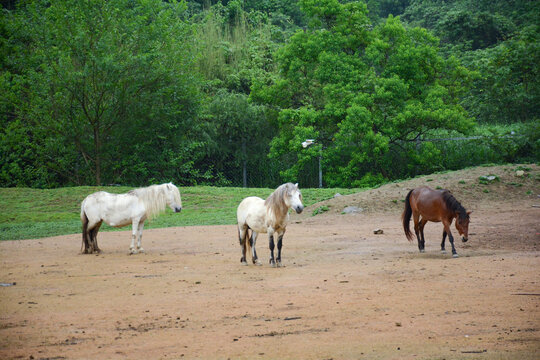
446	153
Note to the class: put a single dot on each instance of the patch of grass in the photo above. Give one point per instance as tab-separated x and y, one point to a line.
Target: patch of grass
488	179
486	191
429	180
320	210
36	213
461	182
524	168
438	187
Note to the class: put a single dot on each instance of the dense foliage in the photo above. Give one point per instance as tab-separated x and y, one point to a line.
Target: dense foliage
362	92
224	92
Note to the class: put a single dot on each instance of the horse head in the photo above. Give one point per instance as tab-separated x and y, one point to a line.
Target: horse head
293	198
462	225
173	197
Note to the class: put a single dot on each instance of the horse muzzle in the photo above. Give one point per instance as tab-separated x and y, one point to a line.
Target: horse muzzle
299	209
464	239
177	209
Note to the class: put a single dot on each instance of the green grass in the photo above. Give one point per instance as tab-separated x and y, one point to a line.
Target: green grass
320	210
33	213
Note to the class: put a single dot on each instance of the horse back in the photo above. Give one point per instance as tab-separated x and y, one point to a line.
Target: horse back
429	204
114	209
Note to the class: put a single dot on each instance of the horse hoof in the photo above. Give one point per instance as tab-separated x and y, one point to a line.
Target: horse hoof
141	250
272	263
244	263
132	251
278	264
258	263
422	251
443	251
455	255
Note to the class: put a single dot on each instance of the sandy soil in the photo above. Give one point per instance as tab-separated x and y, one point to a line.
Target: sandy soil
344	293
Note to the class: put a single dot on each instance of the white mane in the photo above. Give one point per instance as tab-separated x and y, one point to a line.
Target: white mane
275	203
153	197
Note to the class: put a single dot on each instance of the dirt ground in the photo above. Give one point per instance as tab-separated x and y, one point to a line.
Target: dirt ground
344	293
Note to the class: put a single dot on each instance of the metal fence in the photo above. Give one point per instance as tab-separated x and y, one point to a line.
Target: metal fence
457	153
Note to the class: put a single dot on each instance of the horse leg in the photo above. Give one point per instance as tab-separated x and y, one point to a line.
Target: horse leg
271	245
134	227
90	237
416	219
87	239
279	245
422	242
91	220
253	241
242	235
93	238
443	240
450	238
84	221
139	235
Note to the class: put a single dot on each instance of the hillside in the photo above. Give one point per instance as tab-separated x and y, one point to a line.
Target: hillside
466	185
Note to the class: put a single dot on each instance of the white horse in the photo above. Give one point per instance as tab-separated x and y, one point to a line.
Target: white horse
120	210
267	216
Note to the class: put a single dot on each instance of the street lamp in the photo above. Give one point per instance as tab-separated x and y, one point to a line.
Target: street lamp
308	143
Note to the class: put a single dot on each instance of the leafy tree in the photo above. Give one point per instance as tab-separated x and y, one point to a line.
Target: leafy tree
233	53
468	24
361	92
497	38
508	89
380	9
242	134
109	89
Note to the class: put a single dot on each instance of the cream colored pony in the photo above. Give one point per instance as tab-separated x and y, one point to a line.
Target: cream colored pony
267	216
120	210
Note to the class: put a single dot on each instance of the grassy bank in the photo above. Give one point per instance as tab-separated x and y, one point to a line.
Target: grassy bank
34	213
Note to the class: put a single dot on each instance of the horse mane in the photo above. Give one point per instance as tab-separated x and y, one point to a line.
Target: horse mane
275	202
153	198
454	205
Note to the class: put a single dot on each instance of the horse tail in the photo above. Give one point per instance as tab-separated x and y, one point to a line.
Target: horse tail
84	220
406	216
243	238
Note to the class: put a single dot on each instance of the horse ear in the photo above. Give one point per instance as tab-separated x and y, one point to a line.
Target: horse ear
469	212
169	186
296	185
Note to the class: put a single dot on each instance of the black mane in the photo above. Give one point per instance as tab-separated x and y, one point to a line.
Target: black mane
454	205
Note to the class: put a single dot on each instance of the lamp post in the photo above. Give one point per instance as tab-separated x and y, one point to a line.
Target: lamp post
307	144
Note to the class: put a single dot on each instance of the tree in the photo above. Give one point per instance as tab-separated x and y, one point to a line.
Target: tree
363	93
109	88
508	88
241	137
235	48
497	39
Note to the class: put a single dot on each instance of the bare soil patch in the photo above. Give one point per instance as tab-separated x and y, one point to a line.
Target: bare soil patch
345	292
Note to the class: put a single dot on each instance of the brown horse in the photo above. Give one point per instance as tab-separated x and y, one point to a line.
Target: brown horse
436	206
